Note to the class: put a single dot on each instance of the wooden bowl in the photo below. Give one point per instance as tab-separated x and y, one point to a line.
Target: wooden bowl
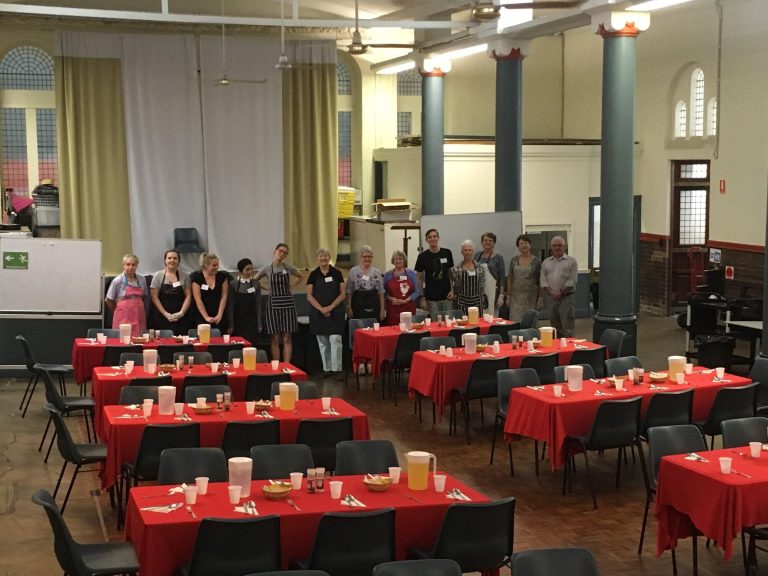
377	483
536	342
461	322
263	404
481	347
139	339
201	410
417	325
178	339
165	367
657	376
279	491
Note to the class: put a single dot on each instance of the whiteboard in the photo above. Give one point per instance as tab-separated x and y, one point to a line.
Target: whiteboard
62	276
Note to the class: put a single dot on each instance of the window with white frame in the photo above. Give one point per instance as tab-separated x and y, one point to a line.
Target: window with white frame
712	117
697	101
344	121
408	103
681	119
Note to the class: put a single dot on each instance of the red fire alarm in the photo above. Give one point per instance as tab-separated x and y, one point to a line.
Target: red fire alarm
729	272
722	186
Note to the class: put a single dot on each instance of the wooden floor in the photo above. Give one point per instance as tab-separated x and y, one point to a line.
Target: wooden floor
544	517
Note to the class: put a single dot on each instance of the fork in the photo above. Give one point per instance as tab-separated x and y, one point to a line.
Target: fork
191	512
740	473
290	502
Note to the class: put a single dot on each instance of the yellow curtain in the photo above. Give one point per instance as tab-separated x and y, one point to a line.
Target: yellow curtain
310	164
93	169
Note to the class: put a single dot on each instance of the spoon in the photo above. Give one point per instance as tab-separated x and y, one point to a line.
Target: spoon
192	512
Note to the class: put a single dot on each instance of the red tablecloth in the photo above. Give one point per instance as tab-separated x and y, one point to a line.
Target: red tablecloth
434	376
87	354
379	345
719	506
123	435
107	382
163	541
538	414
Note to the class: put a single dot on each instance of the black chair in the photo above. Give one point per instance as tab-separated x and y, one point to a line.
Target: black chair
154	381
259	386
220	352
392	370
526	333
559	372
233	547
432	567
308	389
183	465
729	404
457	333
365	457
197	357
759	373
187	241
478	536
136	357
272	461
665	441
215	333
616	425
481	383
209	391
503	329
72	453
420	315
65	405
166	353
351	543
34	368
490	338
614	340
529	319
555	562
434	342
322	435
506	381
354	325
112	354
621	365
454	314
544	364
161	333
667	409
217	379
595	357
154	439
239	437
108	332
103	559
742	431
137	394
261	356
293	573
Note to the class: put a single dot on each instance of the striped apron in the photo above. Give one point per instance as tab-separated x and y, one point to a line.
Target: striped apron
470	294
281	311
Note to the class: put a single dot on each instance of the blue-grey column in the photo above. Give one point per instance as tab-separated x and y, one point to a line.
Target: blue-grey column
432	138
509	133
763	341
617	249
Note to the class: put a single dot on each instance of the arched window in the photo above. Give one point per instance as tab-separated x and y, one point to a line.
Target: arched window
344	120
712	117
697	101
681	119
408	102
343	79
409	83
28	130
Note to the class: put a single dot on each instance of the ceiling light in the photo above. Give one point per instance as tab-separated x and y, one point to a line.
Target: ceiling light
282	61
397	68
656	4
440	64
462	52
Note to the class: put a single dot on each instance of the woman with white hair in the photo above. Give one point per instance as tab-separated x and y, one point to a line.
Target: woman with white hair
127	297
365	288
468	280
325	294
401	288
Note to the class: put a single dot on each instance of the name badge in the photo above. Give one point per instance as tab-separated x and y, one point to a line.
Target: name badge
204	287
176	284
366	277
251	290
403	277
328	279
471	272
443	260
285	271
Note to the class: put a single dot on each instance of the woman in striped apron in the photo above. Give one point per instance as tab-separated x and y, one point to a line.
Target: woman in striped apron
468	280
280	319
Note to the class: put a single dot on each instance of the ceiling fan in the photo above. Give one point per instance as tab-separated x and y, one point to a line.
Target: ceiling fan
356	48
226	80
486	11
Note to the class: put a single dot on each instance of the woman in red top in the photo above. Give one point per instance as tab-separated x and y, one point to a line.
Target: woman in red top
401	289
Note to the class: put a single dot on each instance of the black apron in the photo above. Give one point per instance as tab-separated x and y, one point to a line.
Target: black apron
246	311
470	294
366	304
325	293
281	312
211	298
172	299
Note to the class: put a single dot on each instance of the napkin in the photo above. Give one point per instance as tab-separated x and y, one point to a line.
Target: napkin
578	340
116	367
163	509
537	388
133	407
352	502
331	412
264	414
130	416
177	489
457	494
288	370
601	393
249	511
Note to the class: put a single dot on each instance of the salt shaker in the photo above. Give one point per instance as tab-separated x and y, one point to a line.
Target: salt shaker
311	475
319	479
227	401
219	401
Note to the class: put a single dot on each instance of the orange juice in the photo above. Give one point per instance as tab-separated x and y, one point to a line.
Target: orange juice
288	395
204	333
249	359
473	315
547	333
418	475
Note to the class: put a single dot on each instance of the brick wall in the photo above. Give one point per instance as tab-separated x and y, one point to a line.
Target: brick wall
653	256
748	262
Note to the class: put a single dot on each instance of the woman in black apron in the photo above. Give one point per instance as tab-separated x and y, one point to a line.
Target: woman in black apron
171	296
280	319
210	289
245	303
365	288
325	294
468	280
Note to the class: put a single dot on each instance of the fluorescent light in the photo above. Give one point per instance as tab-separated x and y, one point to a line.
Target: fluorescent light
438	63
395	68
650	5
462	52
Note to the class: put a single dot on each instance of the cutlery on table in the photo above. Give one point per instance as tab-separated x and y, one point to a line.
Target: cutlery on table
291	503
740	473
458	494
191	512
413	498
696	457
168	507
736	452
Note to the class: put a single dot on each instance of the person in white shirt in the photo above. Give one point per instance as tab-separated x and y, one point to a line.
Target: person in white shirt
559	274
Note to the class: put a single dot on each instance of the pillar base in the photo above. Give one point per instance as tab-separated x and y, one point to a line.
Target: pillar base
626	323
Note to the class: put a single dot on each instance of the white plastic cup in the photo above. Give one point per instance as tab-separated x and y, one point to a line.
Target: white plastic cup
631	374
185	339
129	364
530	345
335	486
234	494
226	338
219	398
326	401
689	368
442	350
296	479
190	361
190	494
439	482
275	364
619	384
150	368
725	464
755	448
720	372
394	473
558	390
427	321
639	374
376	326
214	366
276	400
449	352
178	408
680	377
235	363
563	342
250	407
201	482
147	408
101	338
201	401
496	347
179	362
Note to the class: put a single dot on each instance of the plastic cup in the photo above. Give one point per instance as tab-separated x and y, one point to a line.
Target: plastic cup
427	321
234	494
129	364
725	464
178	408
530	345
755	448
442	350
179	362
558	390
201	401
449	352
335	486
720	372
376	326
394	473
214	366
639	374
190	360
147	408
276	400
235	363
326	403
219	398
439	482
190	494
688	368
275	364
563	342
619	385
496	347
185	339
250	406
680	377
201	482
631	374
226	338
296	478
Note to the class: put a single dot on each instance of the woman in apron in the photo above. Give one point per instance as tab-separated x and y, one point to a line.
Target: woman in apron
401	289
325	294
210	289
126	297
468	280
365	288
280	318
523	282
495	263
171	296
245	303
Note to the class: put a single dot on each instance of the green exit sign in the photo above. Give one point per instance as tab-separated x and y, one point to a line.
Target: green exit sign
16	260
